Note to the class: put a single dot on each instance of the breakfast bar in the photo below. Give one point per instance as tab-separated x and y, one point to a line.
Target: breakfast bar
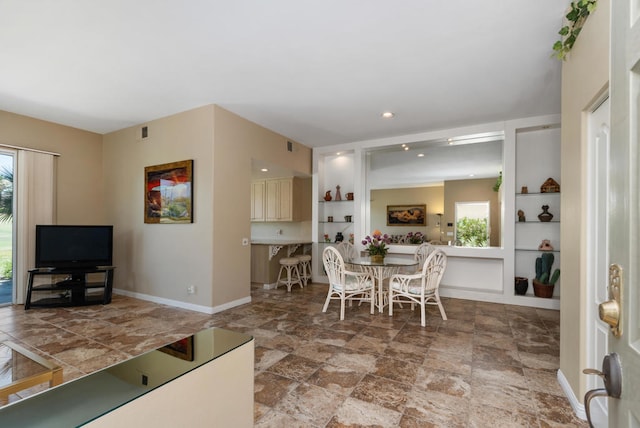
266	255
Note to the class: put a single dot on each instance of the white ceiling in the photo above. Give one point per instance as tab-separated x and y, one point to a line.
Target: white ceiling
319	72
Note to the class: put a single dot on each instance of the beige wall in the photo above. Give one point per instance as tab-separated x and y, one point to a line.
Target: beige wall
585	76
471	191
433	197
237	141
162	260
80	190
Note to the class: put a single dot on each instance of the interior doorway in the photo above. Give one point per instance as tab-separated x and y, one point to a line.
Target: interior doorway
6	228
598	149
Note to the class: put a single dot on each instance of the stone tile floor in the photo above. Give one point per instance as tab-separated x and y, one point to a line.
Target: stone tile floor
487	365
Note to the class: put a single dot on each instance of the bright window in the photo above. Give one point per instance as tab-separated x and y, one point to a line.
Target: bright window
472	224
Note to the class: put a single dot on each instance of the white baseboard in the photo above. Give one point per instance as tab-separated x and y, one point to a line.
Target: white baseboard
578	408
184	305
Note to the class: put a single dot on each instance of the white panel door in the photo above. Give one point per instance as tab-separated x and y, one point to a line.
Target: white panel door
624	202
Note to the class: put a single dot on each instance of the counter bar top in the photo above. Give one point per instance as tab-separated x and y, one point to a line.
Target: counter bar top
269	241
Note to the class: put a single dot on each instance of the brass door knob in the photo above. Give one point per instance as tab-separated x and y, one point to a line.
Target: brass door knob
609	312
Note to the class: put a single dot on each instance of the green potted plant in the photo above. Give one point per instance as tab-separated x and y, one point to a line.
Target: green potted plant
545	281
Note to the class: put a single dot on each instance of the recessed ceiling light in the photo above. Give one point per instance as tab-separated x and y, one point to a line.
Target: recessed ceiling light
472	175
264	170
406	148
388	115
338	153
420	155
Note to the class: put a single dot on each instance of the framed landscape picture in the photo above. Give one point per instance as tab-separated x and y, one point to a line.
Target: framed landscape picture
169	193
407	215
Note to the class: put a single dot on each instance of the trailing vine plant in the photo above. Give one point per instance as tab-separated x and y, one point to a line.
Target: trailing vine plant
576	18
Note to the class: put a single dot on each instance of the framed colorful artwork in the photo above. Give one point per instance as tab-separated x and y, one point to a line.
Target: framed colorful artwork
406	215
169	193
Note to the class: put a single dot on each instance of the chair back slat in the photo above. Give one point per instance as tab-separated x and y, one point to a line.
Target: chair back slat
433	269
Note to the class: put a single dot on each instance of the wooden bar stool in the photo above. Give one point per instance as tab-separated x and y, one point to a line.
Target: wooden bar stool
290	266
304	261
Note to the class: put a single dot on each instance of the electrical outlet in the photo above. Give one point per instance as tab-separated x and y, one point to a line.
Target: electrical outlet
191	289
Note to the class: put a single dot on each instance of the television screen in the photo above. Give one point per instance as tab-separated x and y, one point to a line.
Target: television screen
61	246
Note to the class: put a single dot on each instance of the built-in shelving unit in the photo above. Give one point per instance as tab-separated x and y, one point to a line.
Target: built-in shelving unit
334	216
537	159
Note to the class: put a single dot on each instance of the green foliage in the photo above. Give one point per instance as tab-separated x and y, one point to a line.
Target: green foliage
576	18
472	232
496	186
6	195
6	268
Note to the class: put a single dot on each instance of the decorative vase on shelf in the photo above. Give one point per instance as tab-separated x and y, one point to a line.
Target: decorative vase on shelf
327	196
338	195
377	258
545	215
521	285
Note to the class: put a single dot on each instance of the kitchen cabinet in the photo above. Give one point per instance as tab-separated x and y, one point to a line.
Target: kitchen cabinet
257	200
281	199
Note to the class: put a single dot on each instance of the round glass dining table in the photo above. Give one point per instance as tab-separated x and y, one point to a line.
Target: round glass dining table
380	271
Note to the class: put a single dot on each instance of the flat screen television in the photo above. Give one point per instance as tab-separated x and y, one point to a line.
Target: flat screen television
73	247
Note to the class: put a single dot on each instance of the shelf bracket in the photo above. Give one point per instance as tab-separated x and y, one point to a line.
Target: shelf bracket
274	250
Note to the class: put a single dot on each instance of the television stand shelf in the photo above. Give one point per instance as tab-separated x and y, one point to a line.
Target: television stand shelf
70	287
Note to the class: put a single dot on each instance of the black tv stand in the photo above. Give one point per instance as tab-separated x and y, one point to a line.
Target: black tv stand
70	287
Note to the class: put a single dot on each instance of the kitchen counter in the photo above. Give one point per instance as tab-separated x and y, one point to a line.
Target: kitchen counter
275	241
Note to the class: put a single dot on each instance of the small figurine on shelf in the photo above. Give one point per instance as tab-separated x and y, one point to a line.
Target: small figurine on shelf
327	196
351	238
326	238
339	237
350	196
524	190
338	195
521	217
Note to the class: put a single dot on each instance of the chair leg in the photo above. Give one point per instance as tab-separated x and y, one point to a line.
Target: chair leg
279	276
444	315
423	315
297	272
372	299
326	302
289	284
342	304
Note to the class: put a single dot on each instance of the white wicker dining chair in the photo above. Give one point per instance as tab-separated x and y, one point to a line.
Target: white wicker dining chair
421	254
345	285
347	250
420	288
